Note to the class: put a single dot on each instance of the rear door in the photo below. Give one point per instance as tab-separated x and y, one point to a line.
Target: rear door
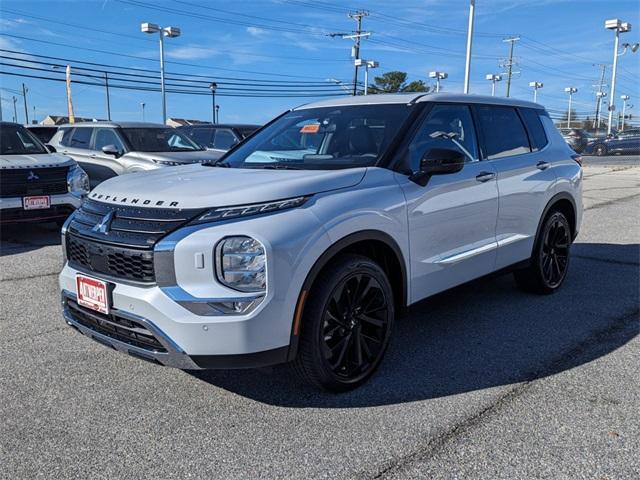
79	147
452	220
525	175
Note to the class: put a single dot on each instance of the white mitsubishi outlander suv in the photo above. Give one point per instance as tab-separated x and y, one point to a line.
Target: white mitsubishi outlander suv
304	241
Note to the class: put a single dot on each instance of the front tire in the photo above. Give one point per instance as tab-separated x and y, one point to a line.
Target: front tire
346	325
600	150
550	259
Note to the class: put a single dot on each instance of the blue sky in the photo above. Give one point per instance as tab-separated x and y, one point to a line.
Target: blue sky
284	40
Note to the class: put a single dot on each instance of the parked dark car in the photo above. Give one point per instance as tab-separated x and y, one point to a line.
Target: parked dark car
624	143
576	138
43	132
218	137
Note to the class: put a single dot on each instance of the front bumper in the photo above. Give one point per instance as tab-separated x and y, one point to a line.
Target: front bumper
61	206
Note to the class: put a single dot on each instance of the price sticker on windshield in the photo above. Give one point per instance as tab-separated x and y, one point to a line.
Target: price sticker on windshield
310	128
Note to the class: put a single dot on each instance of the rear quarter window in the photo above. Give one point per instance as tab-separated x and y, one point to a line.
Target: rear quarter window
537	136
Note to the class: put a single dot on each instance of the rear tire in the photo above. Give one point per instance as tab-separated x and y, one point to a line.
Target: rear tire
346	324
549	262
600	150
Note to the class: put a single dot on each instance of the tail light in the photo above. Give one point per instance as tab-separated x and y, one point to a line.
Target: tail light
577	159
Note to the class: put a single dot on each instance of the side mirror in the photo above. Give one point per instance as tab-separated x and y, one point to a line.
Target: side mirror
111	150
438	161
50	148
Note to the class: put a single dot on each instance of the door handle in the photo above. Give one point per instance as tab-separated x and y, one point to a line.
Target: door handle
542	165
485	176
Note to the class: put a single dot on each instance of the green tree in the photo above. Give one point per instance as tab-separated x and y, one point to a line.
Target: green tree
394	82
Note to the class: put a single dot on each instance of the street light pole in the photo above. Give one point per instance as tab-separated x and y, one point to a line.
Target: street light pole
217	113
467	66
213	86
619	27
438	76
535	86
15	110
624	99
570	91
142	104
171	32
367	64
493	78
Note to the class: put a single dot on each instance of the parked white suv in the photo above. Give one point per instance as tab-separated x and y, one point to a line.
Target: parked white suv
307	257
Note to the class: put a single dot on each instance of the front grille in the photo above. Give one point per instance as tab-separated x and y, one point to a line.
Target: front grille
124	249
116	327
22	182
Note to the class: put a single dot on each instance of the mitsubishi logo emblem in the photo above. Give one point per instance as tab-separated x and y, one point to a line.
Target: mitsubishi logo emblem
32	177
103	225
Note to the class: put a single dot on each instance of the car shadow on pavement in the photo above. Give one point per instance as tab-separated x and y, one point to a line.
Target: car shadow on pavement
481	335
19	238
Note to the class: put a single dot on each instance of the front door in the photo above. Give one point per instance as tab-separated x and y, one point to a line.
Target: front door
105	165
452	220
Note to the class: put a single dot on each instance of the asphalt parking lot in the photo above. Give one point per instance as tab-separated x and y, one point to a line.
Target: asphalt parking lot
480	382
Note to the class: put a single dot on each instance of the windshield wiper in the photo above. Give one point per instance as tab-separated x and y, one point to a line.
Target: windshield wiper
217	163
279	166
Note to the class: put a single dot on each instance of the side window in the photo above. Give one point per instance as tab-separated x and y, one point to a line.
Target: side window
225	139
537	136
106	136
446	126
202	136
65	134
503	132
81	138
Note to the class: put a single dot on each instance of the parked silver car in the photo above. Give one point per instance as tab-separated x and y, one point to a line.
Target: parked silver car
108	149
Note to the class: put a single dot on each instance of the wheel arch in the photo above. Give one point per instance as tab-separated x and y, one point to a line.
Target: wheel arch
565	203
374	244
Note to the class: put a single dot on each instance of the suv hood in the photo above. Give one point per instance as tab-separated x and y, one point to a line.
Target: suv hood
197	156
41	160
198	186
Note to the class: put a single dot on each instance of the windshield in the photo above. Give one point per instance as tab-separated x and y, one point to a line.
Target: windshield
16	140
159	140
323	138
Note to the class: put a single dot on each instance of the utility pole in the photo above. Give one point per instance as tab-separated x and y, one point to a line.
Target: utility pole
467	65
357	16
72	118
599	95
624	99
509	63
15	109
355	36
106	84
26	110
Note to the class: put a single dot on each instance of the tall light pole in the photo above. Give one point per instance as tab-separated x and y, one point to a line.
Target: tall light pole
15	110
624	99
213	86
600	95
467	65
367	64
217	113
493	78
535	86
438	76
570	91
142	104
619	27
171	32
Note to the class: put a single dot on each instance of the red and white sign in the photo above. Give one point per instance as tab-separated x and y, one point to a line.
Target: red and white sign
92	293
37	202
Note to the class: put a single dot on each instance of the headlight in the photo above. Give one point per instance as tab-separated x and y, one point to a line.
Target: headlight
168	163
225	213
78	181
241	264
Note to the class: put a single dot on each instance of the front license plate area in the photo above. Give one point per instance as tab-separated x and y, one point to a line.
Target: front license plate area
93	294
36	202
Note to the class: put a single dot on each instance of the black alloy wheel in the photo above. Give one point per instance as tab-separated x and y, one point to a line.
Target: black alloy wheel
346	324
600	150
554	254
549	262
355	326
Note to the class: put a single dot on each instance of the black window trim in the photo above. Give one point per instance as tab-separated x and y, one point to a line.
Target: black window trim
529	134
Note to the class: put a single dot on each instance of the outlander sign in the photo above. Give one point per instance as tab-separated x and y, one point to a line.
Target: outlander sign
133	200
